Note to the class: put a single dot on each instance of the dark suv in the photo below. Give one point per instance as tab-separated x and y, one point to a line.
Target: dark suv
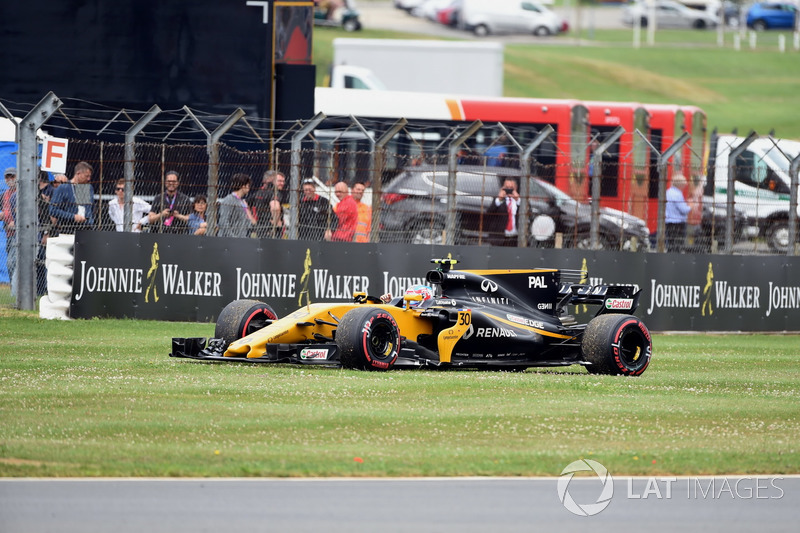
414	210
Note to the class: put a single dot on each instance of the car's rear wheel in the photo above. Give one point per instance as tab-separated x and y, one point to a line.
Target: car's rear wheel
699	24
351	25
616	344
426	232
368	339
240	318
760	25
541	31
481	30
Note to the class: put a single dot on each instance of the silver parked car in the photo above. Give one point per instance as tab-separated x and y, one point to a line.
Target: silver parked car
668	14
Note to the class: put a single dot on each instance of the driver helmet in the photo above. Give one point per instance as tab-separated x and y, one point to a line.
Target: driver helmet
423	290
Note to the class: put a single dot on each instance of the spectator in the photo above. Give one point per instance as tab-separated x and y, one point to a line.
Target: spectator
235	218
8	214
171	209
71	204
316	218
197	220
116	210
676	213
503	215
46	189
364	225
496	153
270	203
346	213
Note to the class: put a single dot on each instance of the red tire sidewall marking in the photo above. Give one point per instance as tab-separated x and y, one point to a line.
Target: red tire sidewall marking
269	313
618	334
366	332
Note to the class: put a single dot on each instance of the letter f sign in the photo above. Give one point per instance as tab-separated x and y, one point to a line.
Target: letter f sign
54	155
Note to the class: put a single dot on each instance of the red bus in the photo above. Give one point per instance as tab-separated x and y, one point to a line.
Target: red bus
627	170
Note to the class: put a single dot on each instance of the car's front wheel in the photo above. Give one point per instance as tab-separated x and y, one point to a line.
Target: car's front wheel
616	344
760	25
240	318
368	339
541	31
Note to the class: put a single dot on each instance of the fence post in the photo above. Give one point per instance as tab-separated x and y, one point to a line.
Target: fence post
524	186
730	208
294	181
452	167
212	149
663	161
794	170
27	209
130	156
597	157
378	154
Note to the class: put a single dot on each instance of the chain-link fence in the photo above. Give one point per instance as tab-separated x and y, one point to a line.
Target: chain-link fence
399	182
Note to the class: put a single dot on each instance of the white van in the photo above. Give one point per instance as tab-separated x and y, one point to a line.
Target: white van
483	17
762	183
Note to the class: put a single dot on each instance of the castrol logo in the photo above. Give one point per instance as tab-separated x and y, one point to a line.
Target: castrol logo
619	303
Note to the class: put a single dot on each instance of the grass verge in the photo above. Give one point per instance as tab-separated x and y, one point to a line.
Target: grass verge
101	398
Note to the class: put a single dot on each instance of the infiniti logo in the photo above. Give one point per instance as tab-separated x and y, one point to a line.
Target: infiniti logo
488	286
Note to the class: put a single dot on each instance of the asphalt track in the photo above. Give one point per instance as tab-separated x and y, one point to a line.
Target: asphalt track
457	505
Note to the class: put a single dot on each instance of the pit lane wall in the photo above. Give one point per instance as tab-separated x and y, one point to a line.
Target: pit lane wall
187	278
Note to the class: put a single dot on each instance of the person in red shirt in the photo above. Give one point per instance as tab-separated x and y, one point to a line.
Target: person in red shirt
346	212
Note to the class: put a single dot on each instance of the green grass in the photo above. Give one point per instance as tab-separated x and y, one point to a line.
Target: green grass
745	89
101	398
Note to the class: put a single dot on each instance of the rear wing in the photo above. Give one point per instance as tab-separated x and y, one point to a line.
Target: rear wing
611	298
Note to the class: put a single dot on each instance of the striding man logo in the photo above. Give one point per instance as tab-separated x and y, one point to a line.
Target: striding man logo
152	274
707	292
304	279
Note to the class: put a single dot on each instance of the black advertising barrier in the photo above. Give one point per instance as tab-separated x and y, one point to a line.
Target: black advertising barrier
187	278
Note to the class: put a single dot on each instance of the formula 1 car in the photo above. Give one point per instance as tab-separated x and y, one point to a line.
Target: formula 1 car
501	319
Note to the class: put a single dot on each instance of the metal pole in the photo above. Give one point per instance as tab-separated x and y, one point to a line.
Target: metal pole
130	156
597	157
212	149
452	168
294	178
794	170
27	211
524	186
379	151
663	162
730	208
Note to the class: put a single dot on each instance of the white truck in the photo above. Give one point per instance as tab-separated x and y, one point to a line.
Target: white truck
762	180
455	67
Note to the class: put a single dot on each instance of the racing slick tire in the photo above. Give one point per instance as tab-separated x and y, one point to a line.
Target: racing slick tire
616	344
241	318
368	339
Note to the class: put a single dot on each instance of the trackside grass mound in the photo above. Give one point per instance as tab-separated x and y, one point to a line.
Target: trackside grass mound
101	398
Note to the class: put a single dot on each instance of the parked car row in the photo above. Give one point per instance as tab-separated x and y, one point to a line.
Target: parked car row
702	14
485	17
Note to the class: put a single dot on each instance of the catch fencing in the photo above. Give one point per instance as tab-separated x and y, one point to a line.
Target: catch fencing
424	184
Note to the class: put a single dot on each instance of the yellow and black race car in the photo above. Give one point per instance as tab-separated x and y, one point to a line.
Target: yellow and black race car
501	319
